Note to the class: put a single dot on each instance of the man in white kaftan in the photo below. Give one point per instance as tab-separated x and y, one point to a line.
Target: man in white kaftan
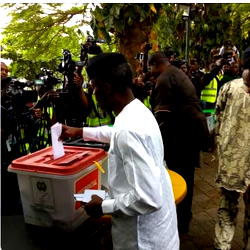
141	198
142	203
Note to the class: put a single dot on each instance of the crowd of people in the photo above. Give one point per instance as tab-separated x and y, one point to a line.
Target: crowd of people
207	77
176	100
158	121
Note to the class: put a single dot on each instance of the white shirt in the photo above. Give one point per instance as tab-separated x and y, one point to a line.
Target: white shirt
142	202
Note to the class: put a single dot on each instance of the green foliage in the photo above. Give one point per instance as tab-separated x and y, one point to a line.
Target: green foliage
33	29
224	21
210	26
170	29
130	24
117	18
37	34
30	69
243	11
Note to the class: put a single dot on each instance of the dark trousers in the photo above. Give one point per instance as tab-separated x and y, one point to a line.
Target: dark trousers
184	208
183	161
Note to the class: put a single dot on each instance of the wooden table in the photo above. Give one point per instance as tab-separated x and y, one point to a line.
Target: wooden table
179	186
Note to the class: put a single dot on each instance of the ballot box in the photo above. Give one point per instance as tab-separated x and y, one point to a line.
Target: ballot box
47	186
93	144
81	143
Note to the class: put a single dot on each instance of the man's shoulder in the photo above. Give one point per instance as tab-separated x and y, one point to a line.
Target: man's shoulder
234	83
237	81
174	69
232	86
171	73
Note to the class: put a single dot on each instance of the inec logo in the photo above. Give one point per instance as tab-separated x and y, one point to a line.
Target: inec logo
41	186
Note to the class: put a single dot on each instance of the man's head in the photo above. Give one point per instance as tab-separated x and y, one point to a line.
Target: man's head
157	63
194	66
183	67
109	74
170	54
228	43
4	70
235	68
226	67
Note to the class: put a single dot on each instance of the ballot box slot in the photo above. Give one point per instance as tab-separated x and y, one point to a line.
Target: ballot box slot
68	159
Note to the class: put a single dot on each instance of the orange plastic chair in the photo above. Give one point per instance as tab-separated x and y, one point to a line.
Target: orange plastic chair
179	186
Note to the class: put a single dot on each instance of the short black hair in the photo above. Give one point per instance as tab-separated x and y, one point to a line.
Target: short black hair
112	68
157	58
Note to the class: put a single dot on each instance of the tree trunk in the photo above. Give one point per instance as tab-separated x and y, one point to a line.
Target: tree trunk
131	40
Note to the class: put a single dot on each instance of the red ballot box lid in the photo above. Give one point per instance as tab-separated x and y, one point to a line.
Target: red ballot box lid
74	160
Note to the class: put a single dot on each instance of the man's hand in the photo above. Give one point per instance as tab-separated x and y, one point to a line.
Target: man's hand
78	79
70	132
94	207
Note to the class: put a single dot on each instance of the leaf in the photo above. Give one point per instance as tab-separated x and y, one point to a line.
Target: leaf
130	21
152	7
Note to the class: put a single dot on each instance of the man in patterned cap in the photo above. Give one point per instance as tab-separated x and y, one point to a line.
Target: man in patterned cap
233	147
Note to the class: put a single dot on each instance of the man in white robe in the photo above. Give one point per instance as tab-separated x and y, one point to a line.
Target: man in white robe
141	199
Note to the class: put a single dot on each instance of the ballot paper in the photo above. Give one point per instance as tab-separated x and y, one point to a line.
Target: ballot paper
86	196
57	146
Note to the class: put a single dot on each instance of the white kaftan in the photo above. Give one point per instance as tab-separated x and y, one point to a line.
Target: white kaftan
142	202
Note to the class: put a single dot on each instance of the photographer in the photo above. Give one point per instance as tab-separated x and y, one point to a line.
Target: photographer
44	85
95	116
72	106
15	103
229	51
6	122
13	145
88	107
142	83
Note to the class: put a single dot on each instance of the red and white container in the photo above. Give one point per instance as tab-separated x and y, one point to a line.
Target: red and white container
47	185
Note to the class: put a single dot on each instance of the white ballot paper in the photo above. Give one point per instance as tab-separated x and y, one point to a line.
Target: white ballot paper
86	196
57	146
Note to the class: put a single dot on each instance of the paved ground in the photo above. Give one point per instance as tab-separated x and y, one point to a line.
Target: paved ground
94	234
205	204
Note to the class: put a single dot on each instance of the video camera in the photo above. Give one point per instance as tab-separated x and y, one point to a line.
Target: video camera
90	47
67	67
69	106
142	57
46	79
146	48
15	95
